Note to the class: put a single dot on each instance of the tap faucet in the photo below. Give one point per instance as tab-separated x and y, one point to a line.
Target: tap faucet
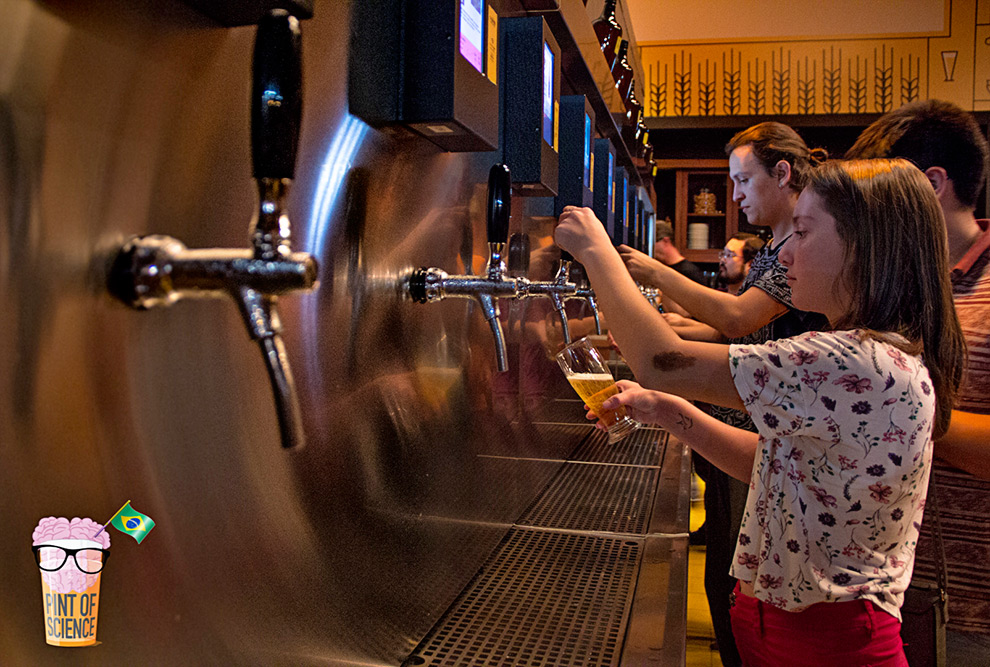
558	290
585	292
427	285
156	270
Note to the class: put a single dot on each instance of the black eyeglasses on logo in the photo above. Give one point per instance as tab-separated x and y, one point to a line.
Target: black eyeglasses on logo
51	558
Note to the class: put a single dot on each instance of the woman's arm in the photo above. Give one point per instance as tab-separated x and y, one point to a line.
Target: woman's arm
733	450
659	357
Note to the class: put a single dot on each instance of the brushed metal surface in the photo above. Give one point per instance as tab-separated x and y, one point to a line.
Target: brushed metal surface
122	118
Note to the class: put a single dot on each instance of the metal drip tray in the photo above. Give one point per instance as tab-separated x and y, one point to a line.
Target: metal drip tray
644	447
600	498
542	599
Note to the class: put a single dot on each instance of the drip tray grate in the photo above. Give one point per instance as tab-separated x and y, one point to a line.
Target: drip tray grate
602	498
644	447
543	599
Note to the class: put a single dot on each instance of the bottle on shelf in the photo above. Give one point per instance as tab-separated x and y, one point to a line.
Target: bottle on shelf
609	32
622	72
634	108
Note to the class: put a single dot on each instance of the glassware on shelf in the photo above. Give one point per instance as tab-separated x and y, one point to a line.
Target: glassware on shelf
704	202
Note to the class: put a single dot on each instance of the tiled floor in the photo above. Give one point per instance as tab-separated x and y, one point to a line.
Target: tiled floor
699	623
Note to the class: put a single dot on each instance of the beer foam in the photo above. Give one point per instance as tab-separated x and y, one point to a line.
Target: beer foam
592	376
77	533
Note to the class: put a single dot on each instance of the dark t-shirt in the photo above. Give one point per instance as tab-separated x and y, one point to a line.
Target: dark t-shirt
690	269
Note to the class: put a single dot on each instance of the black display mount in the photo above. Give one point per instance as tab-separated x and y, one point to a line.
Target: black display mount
407	69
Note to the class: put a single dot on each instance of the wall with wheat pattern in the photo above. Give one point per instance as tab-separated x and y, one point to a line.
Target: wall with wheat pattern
838	76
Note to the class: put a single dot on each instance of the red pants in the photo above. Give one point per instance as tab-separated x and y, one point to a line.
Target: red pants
851	634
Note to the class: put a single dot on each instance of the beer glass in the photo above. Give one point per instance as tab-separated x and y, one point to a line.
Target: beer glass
586	371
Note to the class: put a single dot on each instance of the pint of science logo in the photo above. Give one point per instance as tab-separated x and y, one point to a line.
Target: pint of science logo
71	555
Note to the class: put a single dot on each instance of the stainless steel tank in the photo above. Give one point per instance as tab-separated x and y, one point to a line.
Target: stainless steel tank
122	118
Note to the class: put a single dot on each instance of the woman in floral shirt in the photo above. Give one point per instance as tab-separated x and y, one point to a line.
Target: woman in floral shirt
839	468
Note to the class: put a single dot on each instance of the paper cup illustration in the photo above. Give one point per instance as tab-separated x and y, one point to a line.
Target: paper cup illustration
71	561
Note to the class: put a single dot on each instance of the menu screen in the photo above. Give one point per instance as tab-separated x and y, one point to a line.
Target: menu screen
611	182
587	150
547	94
471	31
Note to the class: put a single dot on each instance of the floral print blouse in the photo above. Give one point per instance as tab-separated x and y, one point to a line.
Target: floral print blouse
838	486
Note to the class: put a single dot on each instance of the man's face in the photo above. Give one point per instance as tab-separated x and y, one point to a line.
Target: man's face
761	196
731	266
662	249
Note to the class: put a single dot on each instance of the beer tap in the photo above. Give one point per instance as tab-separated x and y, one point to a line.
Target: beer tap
155	270
585	292
431	284
558	290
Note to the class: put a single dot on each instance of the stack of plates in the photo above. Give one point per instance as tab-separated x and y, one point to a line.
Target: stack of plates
698	236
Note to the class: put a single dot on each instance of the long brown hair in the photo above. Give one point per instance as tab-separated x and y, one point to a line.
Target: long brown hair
897	255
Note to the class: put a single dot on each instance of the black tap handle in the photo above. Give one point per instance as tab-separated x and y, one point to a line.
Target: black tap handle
566	256
276	95
499	203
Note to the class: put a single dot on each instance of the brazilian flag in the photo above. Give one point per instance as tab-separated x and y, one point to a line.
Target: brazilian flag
132	522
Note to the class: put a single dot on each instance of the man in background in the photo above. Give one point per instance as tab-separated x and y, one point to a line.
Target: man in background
736	259
665	251
948	145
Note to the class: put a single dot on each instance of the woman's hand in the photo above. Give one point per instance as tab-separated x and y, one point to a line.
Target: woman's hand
578	231
647	406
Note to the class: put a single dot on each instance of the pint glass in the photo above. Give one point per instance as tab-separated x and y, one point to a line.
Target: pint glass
586	371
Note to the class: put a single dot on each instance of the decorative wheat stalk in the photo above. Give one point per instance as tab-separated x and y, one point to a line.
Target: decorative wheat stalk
910	84
883	80
831	82
731	77
857	88
757	87
781	83
657	92
706	89
806	87
682	86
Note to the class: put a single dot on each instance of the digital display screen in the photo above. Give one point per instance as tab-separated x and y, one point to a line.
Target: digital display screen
611	182
587	150
471	32
547	94
625	200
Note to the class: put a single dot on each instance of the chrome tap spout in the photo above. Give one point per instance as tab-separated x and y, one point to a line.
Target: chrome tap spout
154	271
588	295
427	285
558	291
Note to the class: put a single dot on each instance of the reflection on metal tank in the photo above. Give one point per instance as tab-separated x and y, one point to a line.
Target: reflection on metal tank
121	118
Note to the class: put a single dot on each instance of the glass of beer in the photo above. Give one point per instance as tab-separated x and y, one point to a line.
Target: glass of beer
586	371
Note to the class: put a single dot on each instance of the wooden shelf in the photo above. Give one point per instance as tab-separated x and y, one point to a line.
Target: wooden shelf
689	177
709	256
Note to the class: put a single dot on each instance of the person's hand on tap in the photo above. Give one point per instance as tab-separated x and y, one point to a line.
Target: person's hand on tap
642	267
580	233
